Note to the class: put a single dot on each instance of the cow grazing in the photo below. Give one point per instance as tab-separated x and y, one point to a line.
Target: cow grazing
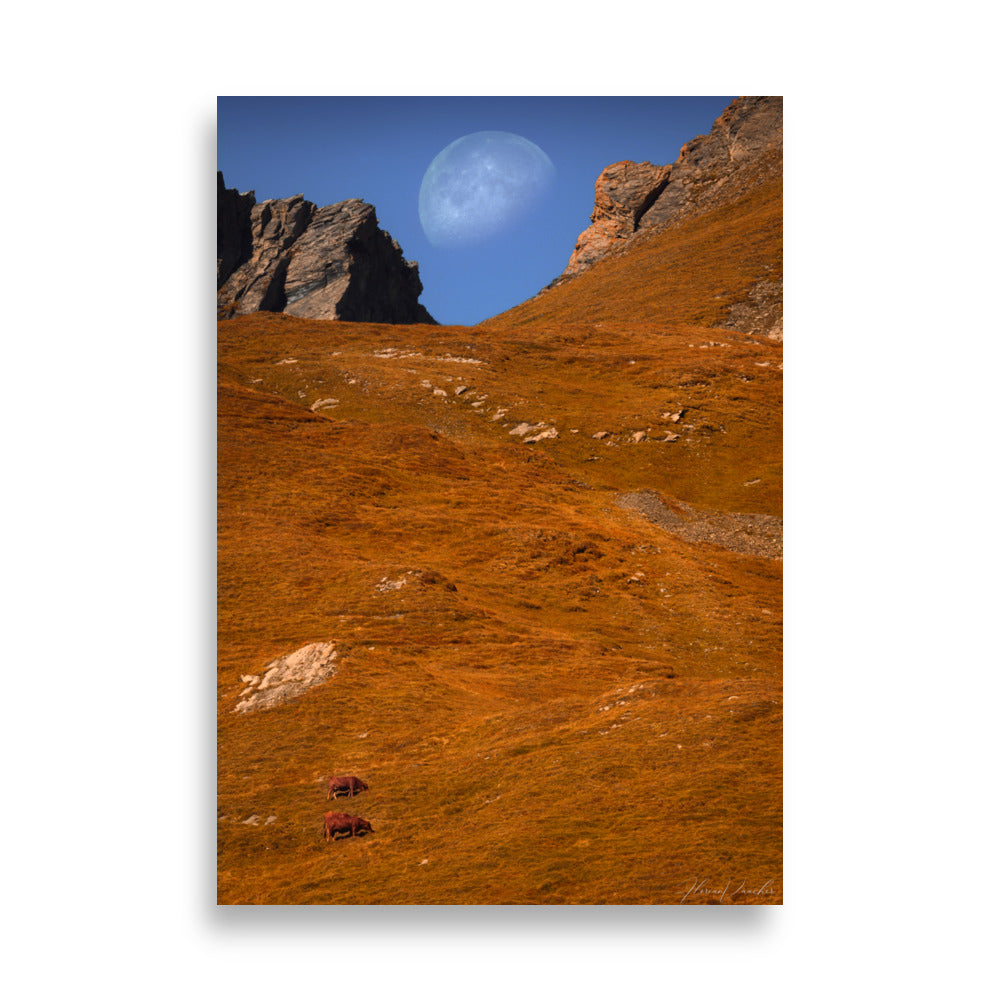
335	823
345	783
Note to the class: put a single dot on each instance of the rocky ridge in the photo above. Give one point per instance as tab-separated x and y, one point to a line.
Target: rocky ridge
632	200
288	255
744	147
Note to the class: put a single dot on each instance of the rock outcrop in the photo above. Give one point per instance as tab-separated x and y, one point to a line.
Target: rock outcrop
234	239
287	255
622	195
288	677
760	313
743	149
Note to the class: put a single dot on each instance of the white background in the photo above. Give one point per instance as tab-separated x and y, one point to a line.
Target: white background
108	409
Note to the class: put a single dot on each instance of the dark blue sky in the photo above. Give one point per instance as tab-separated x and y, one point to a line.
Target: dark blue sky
378	148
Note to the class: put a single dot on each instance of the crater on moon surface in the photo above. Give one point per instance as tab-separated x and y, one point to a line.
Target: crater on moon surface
480	185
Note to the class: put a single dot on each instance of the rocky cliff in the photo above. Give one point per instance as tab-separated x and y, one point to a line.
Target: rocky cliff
622	195
631	200
743	149
287	255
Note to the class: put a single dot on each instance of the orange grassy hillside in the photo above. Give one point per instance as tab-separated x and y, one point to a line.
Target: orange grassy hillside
553	698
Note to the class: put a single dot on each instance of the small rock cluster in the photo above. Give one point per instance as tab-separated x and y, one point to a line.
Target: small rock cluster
531	433
385	585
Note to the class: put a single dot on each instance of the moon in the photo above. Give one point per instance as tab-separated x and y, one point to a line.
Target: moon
480	185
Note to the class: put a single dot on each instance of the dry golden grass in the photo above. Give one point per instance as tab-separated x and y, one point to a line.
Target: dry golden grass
562	703
687	273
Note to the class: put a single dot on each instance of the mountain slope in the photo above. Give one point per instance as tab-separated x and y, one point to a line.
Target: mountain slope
533	678
703	236
545	552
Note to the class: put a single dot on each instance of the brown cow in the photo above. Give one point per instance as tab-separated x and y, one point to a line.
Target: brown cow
345	783
342	823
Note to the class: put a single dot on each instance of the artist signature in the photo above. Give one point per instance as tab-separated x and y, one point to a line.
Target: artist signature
731	891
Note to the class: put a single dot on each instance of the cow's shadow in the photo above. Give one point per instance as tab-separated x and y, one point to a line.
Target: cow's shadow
349	836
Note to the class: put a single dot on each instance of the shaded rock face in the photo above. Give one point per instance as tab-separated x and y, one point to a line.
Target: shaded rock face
287	255
233	239
622	195
743	149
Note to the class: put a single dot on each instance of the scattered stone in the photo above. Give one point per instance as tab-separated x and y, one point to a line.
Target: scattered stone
460	389
549	432
385	585
460	361
600	435
670	437
252	820
440	392
478	403
287	361
521	429
324	404
270	820
290	676
249	678
499	415
749	534
639	436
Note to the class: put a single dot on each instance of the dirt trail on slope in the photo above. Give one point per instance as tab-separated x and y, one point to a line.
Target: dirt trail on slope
748	534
